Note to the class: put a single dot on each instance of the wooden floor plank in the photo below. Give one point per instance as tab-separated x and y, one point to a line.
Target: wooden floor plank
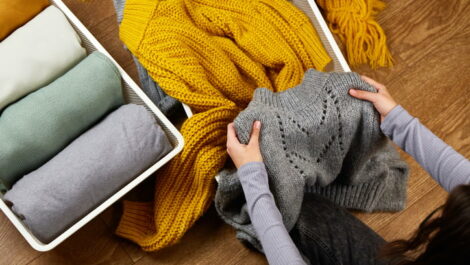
93	244
210	241
13	247
416	28
421	26
413	216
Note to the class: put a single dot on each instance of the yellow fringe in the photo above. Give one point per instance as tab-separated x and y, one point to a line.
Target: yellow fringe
354	22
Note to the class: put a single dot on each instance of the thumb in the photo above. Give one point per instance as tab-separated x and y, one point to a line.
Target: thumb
254	138
364	95
231	135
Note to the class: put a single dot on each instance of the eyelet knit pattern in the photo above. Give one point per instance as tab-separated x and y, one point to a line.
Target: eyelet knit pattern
211	55
316	138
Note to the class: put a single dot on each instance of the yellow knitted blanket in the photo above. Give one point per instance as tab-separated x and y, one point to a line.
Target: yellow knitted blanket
211	55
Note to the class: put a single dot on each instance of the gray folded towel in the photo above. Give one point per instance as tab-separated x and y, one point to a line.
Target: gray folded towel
88	171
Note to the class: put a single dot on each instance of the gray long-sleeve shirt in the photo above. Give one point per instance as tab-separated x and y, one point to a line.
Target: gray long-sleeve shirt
441	161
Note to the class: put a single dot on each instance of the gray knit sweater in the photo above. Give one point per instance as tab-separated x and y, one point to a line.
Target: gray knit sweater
315	137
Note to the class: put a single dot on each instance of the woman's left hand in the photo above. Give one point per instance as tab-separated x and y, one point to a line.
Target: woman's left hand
244	153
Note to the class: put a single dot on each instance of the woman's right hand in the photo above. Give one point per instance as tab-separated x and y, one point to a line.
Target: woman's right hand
244	153
382	100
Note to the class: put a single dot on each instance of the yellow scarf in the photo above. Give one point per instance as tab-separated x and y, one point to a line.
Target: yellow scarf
210	55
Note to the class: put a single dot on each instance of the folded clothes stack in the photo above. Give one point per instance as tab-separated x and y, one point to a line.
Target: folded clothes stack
66	142
88	171
38	126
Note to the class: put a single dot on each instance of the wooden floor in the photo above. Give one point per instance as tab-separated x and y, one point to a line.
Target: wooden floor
430	41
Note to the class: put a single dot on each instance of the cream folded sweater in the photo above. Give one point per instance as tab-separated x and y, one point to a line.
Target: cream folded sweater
36	54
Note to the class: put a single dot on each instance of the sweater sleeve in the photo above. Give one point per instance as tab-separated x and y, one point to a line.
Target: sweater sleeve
265	216
442	162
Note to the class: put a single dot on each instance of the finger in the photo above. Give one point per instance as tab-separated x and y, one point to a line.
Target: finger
231	135
372	82
364	95
254	138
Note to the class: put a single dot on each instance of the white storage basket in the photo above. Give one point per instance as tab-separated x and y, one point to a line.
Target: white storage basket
132	94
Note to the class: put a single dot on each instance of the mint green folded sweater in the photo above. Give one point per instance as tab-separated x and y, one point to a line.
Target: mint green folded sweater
41	124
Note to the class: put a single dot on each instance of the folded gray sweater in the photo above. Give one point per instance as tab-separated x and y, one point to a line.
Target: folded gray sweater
88	171
316	137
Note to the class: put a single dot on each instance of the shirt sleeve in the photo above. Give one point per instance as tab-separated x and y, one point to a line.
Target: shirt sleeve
265	216
442	162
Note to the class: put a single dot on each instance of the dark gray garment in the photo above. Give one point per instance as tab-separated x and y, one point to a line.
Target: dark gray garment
88	171
329	235
314	238
165	103
316	137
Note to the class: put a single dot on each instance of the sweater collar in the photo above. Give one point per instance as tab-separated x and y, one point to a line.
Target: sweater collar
296	97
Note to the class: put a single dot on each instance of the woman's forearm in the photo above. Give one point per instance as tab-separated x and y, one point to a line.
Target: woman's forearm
442	162
265	216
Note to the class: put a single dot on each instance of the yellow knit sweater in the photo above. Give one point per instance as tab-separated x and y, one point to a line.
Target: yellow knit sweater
211	55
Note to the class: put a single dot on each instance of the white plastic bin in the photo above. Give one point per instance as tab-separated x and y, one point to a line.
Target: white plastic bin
132	94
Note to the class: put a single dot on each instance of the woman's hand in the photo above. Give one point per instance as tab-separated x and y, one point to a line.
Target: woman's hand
241	153
382	100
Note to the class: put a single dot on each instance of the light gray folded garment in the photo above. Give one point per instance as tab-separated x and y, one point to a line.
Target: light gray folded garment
88	171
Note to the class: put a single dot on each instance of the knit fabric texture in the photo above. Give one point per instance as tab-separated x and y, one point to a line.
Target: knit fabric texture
40	125
88	171
165	103
14	14
353	21
316	137
210	55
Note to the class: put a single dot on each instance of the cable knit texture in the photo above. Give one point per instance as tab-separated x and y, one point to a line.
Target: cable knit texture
211	55
316	137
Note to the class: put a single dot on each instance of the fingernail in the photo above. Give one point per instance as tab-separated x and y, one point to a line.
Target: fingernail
257	124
